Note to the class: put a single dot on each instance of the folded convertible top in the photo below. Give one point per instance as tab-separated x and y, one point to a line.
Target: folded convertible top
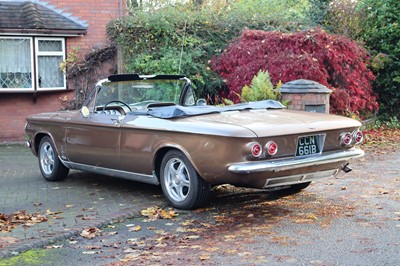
176	111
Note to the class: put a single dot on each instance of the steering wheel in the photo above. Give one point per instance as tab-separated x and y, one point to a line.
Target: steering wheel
117	101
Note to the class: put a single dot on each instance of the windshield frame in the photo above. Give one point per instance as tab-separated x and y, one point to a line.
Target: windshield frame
185	98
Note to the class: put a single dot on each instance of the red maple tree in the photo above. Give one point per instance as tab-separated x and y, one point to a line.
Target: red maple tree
332	60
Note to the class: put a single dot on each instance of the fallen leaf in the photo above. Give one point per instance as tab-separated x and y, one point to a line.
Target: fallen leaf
187	222
90	232
204	257
92	247
229	236
192	237
135	228
48	212
154	213
129	225
90	252
312	217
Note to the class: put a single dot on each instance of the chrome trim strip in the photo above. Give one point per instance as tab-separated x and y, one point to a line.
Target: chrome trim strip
149	179
294	163
298	179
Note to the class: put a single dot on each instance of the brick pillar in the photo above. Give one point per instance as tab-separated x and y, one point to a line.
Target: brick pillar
306	95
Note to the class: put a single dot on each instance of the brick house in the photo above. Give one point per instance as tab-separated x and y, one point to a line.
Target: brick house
35	37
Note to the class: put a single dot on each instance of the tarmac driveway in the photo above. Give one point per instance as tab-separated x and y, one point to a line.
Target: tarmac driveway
353	219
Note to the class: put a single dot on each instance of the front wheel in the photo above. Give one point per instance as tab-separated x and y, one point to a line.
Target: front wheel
51	167
181	184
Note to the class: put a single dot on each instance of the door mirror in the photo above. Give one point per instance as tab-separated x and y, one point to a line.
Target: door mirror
85	111
201	102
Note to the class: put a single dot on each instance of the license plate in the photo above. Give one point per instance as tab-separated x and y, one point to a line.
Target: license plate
308	145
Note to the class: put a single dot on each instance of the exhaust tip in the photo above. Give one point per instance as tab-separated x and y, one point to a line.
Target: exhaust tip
346	168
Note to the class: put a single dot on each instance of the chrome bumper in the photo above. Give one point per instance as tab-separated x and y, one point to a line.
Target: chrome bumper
294	163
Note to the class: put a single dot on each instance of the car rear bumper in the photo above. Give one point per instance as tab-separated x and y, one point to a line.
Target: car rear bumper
279	165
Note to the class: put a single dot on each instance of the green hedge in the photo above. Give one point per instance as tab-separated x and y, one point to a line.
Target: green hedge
381	33
182	40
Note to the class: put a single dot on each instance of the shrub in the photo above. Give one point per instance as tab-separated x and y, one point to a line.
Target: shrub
261	88
381	33
182	39
332	60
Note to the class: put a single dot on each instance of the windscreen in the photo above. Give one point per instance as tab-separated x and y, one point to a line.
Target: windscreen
139	93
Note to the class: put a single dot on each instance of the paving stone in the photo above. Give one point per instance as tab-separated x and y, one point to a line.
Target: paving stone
100	199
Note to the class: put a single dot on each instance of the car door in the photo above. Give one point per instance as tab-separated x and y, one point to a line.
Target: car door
94	140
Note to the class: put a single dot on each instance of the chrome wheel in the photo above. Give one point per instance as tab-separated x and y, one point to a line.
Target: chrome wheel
177	179
47	158
182	186
50	165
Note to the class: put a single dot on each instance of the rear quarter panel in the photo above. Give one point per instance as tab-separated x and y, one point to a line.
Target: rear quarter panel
50	124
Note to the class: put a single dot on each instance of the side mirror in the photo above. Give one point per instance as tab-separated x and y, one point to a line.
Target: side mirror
85	111
201	102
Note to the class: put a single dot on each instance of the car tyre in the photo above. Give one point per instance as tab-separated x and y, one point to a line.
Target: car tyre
182	186
50	165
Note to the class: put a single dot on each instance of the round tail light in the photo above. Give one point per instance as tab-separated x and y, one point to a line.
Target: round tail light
346	139
256	150
358	136
271	148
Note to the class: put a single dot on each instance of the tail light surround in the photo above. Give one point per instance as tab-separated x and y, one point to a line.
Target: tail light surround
346	139
256	149
358	136
271	148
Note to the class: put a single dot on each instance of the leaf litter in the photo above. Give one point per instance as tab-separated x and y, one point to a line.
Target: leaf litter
227	228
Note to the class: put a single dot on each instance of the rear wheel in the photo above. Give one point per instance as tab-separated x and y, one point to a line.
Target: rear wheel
51	167
181	184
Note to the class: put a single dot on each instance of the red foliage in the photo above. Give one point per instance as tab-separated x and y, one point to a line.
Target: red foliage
332	60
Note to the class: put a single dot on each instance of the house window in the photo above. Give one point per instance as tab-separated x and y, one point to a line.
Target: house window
49	54
30	64
16	58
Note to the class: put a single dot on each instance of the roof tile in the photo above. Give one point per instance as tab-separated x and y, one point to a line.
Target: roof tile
29	17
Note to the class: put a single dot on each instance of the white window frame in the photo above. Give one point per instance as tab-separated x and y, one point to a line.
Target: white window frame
35	54
31	89
39	53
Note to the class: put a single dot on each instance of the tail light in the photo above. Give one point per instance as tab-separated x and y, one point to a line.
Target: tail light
256	149
346	139
271	147
358	136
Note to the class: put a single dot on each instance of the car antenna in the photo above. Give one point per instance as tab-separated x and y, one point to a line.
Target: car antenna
183	43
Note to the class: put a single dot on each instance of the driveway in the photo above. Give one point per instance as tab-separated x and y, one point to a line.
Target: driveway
353	219
82	200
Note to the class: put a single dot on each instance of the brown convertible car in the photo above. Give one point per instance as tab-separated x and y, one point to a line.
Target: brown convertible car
151	129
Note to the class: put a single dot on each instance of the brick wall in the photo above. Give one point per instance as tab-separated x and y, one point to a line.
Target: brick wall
14	108
301	100
96	14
